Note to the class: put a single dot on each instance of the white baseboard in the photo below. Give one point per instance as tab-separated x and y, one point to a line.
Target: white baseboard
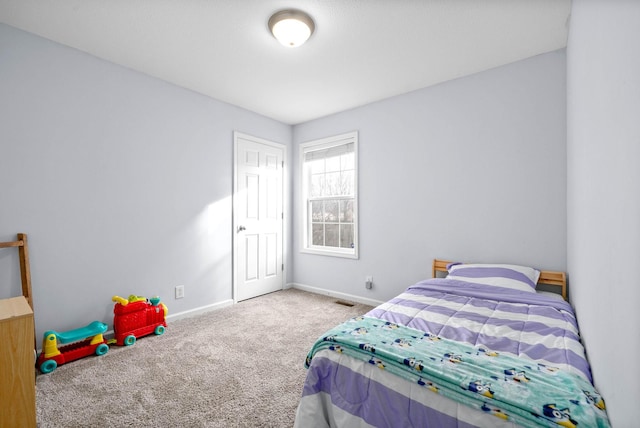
200	310
336	294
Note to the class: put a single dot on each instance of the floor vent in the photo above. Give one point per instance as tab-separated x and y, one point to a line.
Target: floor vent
343	303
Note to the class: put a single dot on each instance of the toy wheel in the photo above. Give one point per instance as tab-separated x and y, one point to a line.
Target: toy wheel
159	330
102	349
129	340
48	366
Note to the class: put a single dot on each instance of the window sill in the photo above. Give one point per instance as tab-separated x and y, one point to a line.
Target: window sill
330	253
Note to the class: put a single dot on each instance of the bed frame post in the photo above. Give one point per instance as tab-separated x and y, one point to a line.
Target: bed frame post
439	266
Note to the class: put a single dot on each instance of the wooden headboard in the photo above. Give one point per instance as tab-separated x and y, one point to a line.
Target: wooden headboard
546	276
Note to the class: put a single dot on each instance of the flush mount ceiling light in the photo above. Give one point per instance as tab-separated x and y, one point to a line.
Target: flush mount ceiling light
291	27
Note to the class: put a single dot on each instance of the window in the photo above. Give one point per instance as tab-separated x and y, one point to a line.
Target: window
329	196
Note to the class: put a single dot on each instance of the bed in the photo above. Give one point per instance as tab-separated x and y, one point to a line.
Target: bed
480	347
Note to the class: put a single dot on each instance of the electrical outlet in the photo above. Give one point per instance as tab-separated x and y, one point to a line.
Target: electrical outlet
179	291
368	282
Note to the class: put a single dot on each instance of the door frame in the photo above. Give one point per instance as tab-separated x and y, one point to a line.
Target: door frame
285	204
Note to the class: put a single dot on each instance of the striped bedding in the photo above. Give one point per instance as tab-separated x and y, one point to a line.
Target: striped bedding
540	331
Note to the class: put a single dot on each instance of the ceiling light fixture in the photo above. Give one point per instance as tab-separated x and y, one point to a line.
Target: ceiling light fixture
291	27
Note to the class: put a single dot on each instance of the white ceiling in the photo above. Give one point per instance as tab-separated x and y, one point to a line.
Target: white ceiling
362	50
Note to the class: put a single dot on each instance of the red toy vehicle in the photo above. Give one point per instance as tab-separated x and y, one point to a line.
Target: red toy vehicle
136	317
82	342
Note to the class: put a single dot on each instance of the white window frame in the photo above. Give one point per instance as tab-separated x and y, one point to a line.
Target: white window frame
325	143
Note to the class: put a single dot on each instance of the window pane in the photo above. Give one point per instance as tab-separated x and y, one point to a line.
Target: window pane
317	234
331	211
316	185
348	161
332	184
346	236
331	235
332	164
316	166
347	183
346	211
316	211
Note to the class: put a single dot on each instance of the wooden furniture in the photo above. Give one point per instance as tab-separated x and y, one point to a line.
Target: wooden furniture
17	372
25	269
17	335
546	276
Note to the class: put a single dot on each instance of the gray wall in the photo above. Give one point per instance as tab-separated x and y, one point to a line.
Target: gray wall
470	170
122	182
603	146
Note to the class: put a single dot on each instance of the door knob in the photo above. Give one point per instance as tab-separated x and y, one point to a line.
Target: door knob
241	228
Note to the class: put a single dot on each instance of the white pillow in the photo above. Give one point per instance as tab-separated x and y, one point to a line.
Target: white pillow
515	277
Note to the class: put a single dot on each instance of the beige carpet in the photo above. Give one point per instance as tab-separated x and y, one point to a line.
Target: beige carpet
241	366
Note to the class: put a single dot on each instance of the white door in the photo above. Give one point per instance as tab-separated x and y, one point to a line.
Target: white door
258	217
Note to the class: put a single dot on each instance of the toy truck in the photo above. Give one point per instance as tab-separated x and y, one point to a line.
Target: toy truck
136	317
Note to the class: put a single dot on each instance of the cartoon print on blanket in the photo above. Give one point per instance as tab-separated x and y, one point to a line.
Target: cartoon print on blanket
508	387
